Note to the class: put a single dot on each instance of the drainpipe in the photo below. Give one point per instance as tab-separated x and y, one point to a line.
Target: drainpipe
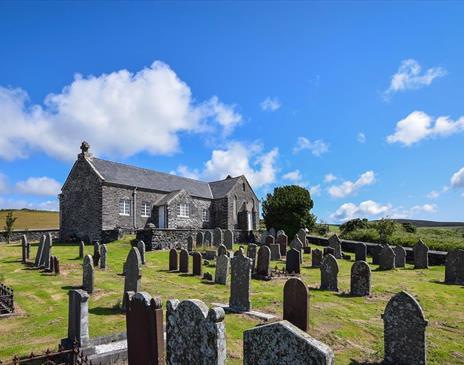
134	210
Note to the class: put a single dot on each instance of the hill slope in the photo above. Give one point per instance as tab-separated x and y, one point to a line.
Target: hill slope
31	219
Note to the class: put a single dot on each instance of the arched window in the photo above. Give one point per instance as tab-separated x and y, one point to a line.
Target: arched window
234	209
244	186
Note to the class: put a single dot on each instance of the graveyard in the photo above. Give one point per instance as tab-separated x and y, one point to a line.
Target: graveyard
351	326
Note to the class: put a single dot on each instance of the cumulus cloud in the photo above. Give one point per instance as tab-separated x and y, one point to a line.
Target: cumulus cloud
120	113
317	148
236	159
361	137
426	208
419	125
51	205
270	104
315	190
433	194
457	180
347	188
39	186
366	209
292	176
329	178
410	76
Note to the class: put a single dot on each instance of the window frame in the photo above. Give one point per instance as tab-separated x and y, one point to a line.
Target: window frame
186	210
126	207
146	208
205	215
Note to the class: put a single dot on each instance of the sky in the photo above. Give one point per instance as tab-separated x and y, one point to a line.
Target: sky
359	102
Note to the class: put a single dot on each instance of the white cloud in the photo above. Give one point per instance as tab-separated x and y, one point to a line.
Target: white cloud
315	190
3	183
426	208
419	125
329	178
409	77
39	186
433	194
292	176
51	205
457	180
270	104
236	159
317	148
366	209
149	108
361	137
348	187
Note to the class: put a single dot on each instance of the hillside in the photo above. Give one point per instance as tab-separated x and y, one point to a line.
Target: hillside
424	223
31	219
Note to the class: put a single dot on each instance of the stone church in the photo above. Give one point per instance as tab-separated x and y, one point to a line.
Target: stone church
100	197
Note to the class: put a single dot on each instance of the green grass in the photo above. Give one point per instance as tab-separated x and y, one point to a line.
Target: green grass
32	219
351	326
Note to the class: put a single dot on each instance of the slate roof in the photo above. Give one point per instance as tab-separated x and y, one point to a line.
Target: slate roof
122	174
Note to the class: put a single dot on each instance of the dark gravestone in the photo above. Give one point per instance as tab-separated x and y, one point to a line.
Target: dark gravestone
217	236
184	261
272	231
296	303
51	266
240	282
222	269
329	273
133	274
360	279
386	258
190	244
96	253
421	255
199	239
88	274
404	331
56	265
173	260
275	252
228	238
329	251
316	258
293	261
336	244
269	240
375	249
46	252
24	245
263	267
38	256
141	247
282	241
197	267
454	270
360	252
297	245
81	249
222	250
103	256
78	316
251	253
208	239
302	236
144	323
400	256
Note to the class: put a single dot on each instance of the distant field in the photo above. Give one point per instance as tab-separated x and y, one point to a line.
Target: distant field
32	219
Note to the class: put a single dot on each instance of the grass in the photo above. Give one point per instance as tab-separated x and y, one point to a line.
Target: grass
351	326
32	219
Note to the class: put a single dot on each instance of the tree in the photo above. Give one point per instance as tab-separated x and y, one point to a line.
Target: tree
289	208
9	223
409	227
385	227
353	225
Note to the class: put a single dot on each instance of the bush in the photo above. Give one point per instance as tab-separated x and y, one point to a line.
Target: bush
9	223
385	227
322	229
409	227
353	225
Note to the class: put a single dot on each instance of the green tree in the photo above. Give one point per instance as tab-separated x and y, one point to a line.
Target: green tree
385	227
9	223
353	225
289	208
409	227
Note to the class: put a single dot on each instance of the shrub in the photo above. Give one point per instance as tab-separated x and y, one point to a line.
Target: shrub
409	227
385	227
354	224
9	223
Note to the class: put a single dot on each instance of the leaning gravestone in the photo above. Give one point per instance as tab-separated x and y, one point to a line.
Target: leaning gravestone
81	249
194	333
88	274
184	261
282	241
133	273
96	253
208	239
228	238
454	270
297	245
283	343
47	252
240	282
222	250
329	273
336	244
197	267
387	258
302	236
421	255
222	269
24	245
103	256
329	251
293	261
173	260
296	303
269	240
251	253
316	258
404	331
263	267
141	248
38	256
190	244
360	252
400	256
199	239
217	236
360	279
275	252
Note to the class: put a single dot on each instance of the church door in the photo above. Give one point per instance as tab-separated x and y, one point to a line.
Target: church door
161	216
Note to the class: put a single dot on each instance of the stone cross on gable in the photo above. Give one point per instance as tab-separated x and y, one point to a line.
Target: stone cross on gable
85	149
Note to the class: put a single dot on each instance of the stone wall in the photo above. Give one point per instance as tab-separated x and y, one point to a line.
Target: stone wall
195	219
32	235
245	198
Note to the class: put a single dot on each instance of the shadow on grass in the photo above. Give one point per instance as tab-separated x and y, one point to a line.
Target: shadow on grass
355	362
444	283
186	274
12	261
71	287
75	259
106	311
207	282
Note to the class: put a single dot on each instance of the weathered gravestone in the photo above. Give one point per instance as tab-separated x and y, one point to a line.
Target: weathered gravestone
56	265
222	269
421	255
96	253
199	239
263	267
404	331
400	256
197	267
282	241
360	279
190	244
228	238
454	270
88	274
262	239
240	282
173	260
302	236
24	248
194	333
141	248
387	258
316	258
375	249
293	261
269	240
184	261
133	273
251	253
78	317
275	252
336	244
208	239
51	266
46	252
144	323
297	245
217	236
282	343
222	250
38	256
103	256
329	251
81	249
272	231
360	252
329	273
296	303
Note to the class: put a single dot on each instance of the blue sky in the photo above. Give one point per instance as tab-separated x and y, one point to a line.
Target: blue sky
359	102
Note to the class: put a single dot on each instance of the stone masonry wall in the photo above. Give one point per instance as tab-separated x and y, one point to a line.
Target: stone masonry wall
32	235
195	219
245	195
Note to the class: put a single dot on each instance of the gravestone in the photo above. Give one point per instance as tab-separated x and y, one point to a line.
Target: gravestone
282	343
316	258
251	253
375	249
360	279
400	256
269	240
194	333
81	249
404	331
360	252
275	252
88	274
144	323
296	303
263	267
173	260
208	239
329	273
56	265
190	244
197	267
262	239
184	261
272	231
228	238
282	241
38	256
302	236
46	252
222	269
199	239
240	282
217	236
293	261
103	256
78	316
329	251
96	253
336	244
133	273
454	270
51	266
279	232
387	258
141	248
222	250
297	245
421	255
24	245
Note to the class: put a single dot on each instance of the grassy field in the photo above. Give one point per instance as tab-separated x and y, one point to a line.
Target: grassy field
32	219
351	326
